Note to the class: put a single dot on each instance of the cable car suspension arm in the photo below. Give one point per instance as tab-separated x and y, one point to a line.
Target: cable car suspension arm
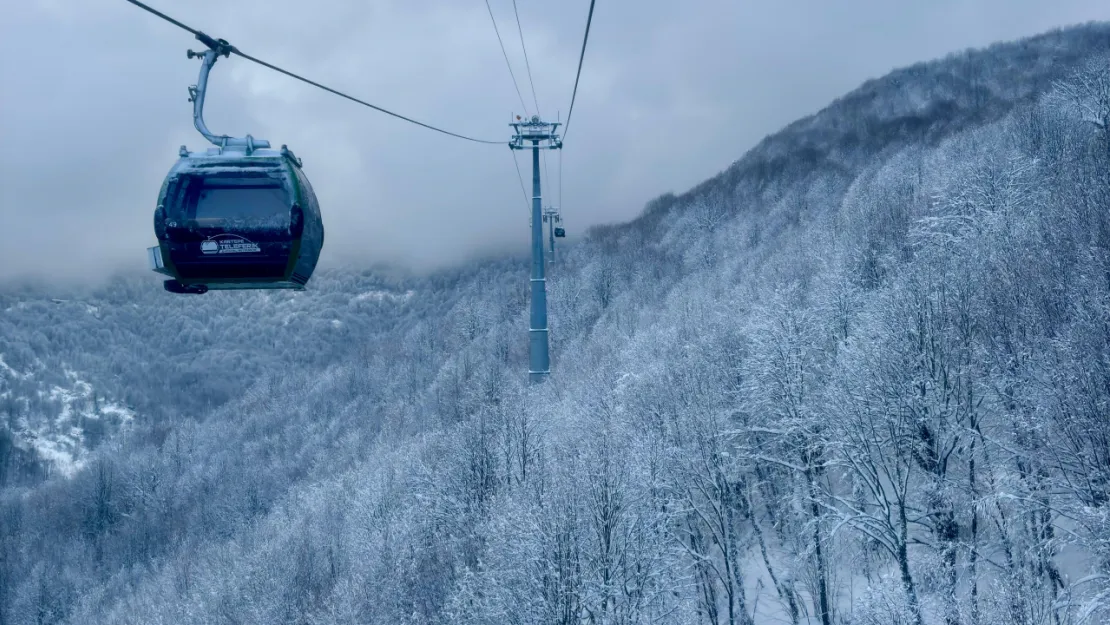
216	49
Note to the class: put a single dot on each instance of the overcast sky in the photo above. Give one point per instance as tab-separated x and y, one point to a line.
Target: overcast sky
94	103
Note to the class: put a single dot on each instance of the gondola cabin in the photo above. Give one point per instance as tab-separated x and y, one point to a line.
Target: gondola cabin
560	233
236	218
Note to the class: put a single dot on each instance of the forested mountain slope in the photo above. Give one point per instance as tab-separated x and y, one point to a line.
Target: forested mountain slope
69	358
862	376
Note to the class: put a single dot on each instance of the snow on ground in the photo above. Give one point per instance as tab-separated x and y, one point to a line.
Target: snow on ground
63	453
120	412
59	439
5	368
381	295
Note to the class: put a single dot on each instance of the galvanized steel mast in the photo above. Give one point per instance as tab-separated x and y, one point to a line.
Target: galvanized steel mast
539	134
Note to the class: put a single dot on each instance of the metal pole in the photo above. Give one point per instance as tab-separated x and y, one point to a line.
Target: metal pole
540	364
196	96
537	132
551	234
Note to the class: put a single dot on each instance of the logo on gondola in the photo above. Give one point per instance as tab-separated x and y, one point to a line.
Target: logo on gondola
228	244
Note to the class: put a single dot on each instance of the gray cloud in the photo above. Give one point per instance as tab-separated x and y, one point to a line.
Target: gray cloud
94	107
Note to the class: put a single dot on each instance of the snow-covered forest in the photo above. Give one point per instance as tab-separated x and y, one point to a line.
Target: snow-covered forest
860	377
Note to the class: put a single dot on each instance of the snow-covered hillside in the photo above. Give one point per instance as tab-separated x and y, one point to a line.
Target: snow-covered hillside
68	422
860	377
75	371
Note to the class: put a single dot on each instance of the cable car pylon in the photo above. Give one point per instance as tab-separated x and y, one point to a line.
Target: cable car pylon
551	217
535	134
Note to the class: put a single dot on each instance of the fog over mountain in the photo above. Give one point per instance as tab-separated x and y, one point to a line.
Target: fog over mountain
861	376
670	94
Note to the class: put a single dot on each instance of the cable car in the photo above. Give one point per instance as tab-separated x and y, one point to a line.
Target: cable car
560	233
230	219
237	216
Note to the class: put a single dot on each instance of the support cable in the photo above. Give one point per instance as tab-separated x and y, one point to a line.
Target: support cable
527	65
507	63
560	180
224	48
582	55
531	83
527	200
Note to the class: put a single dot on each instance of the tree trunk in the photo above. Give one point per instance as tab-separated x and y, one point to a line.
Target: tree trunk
904	567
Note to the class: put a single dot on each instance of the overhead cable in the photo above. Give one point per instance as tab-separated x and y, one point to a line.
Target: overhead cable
225	48
582	55
527	65
516	86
